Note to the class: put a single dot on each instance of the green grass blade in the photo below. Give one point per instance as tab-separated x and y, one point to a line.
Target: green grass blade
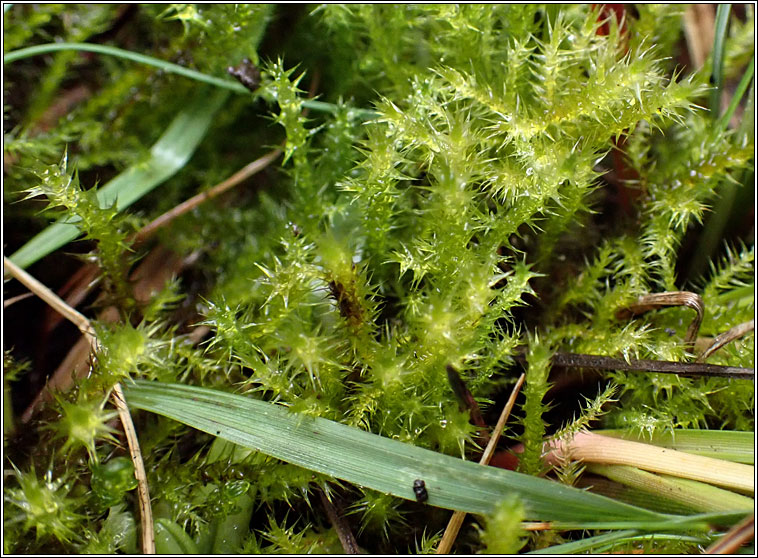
585	544
603	544
168	67
171	68
702	522
373	461
737	97
692	494
169	154
717	74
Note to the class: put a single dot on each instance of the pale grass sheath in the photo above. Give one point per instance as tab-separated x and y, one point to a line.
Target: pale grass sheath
595	448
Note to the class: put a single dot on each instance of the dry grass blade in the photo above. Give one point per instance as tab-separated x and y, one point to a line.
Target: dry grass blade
673	298
80	321
727	337
146	512
454	525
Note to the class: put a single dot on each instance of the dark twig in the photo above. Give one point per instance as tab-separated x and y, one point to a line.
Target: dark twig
340	525
573	360
465	398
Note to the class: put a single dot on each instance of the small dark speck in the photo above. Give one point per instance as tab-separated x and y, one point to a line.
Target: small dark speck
670	331
247	74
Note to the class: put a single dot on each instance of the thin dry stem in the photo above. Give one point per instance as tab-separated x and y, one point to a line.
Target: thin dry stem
188	205
146	512
454	525
84	325
727	337
15	299
597	362
51	299
740	534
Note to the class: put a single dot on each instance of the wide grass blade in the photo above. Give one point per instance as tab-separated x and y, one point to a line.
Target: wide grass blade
373	461
167	156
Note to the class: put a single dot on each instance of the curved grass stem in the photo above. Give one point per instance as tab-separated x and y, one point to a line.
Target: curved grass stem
169	67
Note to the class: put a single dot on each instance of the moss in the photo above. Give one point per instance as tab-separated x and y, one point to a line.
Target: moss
528	171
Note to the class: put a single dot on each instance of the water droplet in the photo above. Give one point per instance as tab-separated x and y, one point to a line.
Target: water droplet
529	171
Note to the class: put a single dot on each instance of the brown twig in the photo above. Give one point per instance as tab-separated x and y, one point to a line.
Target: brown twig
738	535
673	298
454	525
344	533
84	325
